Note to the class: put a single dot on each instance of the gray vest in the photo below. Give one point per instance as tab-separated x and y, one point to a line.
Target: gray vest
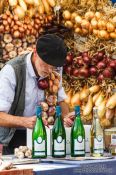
18	105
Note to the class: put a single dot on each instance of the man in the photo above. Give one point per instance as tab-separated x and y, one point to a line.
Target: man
19	93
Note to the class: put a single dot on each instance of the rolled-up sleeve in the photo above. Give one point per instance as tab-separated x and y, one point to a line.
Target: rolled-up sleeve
61	93
7	87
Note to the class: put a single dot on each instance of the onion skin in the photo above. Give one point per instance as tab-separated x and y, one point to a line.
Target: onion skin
112	64
99	99
108	73
87	60
111	103
75	100
43	84
101	65
84	93
69	58
94	89
100	55
110	113
44	106
79	61
88	108
66	15
51	111
93	71
68	70
102	109
75	72
95	97
84	72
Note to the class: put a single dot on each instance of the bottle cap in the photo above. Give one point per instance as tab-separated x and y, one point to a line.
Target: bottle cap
38	110
77	110
58	110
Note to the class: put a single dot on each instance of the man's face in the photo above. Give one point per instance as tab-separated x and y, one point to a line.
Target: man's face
43	69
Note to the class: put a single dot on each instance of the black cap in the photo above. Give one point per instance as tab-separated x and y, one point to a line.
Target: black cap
51	49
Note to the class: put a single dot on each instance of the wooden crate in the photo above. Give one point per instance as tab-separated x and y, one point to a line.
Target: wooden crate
17	172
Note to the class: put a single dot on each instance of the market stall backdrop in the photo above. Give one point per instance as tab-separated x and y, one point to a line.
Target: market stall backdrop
89	30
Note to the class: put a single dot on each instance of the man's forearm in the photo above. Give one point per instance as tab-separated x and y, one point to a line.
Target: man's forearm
64	107
7	120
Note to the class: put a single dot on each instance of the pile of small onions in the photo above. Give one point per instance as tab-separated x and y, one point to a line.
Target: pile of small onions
48	109
91	23
23	8
84	66
13	47
12	24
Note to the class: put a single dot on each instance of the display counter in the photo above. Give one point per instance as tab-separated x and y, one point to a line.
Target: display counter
63	167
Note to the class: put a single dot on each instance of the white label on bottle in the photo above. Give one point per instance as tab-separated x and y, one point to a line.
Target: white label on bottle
113	139
59	146
39	147
79	145
98	144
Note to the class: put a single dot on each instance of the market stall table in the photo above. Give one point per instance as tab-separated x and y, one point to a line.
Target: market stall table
86	167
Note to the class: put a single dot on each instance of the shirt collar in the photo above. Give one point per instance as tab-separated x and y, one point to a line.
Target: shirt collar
29	66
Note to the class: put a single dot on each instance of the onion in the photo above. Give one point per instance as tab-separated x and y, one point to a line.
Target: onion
84	72
103	34
31	2
113	35
89	15
51	111
87	60
78	30
98	15
16	34
108	73
68	70
85	53
66	15
43	84
100	55
94	60
1	28
13	3
95	32
94	23
19	12
69	58
102	24
73	15
114	19
85	24
68	24
100	77
93	71
112	64
85	32
101	65
106	59
75	72
44	106
79	61
78	20
110	27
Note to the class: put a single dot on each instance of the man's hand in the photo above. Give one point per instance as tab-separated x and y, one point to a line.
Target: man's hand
29	122
69	119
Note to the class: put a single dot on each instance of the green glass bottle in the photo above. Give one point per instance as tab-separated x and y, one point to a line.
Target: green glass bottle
77	136
58	136
96	136
39	137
